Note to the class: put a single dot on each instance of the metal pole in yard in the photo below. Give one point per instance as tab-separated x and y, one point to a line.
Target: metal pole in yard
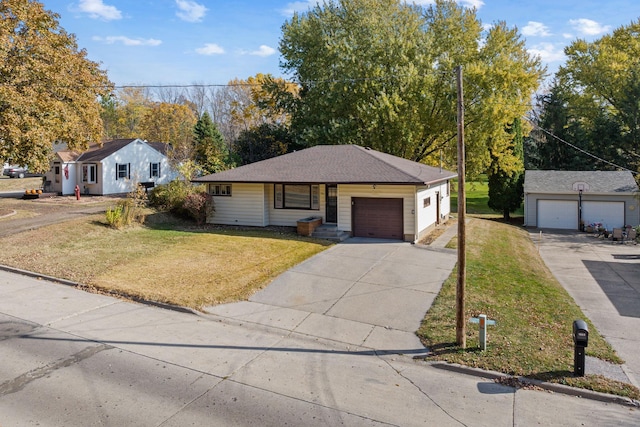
461	338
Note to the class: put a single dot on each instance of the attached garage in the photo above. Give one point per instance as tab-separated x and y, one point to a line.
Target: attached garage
609	214
558	214
377	218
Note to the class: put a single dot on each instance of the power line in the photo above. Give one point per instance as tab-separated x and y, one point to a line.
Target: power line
580	149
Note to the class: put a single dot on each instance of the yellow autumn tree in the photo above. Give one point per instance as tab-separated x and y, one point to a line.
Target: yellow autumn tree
172	124
49	90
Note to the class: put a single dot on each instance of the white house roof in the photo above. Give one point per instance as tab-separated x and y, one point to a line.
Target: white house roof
334	164
536	181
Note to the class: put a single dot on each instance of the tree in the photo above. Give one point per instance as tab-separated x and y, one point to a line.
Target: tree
603	78
172	124
48	88
132	104
211	153
263	142
380	73
506	187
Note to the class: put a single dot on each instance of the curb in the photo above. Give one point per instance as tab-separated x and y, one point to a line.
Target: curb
112	294
556	388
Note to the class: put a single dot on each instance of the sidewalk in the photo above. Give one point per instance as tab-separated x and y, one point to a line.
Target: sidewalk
73	358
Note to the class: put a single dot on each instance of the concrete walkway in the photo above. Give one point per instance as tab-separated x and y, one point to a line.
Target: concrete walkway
363	292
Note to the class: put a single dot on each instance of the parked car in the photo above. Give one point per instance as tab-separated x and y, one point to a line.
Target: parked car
15	171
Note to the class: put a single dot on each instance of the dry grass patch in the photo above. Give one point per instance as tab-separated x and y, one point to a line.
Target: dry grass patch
192	268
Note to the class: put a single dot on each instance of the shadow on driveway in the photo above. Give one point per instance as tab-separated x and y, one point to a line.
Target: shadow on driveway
620	281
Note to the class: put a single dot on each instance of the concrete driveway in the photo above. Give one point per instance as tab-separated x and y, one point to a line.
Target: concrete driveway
603	277
363	292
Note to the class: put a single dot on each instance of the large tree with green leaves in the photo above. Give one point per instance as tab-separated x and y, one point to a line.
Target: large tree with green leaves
381	73
48	88
603	79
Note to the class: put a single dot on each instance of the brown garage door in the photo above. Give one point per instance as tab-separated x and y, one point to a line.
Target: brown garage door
379	218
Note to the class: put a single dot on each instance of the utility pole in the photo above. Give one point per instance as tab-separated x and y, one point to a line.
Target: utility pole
461	336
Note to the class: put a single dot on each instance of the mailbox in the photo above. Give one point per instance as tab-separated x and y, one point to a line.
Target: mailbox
580	333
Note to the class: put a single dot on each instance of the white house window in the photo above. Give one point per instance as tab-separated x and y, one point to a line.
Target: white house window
296	196
426	202
448	188
123	171
89	173
154	170
220	189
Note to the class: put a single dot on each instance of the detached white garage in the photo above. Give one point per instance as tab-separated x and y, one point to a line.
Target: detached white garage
568	199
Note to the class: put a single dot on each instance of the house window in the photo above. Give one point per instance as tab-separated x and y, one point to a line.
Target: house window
123	171
297	196
448	188
426	202
89	174
220	189
154	170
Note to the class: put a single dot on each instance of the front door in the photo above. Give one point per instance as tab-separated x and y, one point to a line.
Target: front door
332	204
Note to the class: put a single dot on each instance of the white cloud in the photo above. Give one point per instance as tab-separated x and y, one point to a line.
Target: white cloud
534	28
210	49
567	35
97	9
264	51
472	3
588	27
190	11
128	41
298	6
548	52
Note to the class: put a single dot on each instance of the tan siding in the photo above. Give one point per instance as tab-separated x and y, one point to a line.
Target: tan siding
347	191
244	207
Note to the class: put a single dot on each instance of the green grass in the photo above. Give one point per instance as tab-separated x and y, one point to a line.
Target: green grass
507	280
477	198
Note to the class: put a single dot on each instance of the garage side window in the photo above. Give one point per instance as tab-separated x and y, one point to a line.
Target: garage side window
296	196
426	202
220	190
89	174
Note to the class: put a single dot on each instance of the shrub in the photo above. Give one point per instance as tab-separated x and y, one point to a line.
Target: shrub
182	199
128	211
114	217
199	205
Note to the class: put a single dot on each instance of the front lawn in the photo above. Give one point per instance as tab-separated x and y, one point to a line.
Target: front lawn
164	262
507	280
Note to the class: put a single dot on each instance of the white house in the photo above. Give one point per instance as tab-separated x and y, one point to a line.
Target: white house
360	191
114	167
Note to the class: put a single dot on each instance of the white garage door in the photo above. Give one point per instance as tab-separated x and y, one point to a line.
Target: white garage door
558	214
610	214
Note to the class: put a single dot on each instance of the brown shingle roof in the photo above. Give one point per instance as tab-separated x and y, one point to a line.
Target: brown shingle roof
98	153
334	164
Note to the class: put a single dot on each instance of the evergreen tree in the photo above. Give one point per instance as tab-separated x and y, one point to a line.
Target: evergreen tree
506	186
211	153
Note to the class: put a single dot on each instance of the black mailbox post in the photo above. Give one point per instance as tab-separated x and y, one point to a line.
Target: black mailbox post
580	341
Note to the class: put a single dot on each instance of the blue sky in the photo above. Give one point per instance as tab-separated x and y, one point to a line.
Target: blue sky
164	42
